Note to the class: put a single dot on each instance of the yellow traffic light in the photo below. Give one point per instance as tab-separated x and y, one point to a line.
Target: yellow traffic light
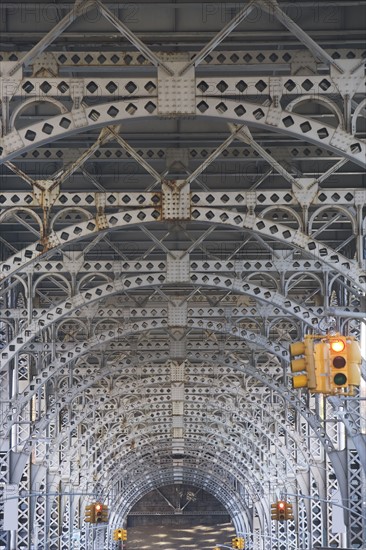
281	509
338	362
89	513
104	513
98	512
120	534
101	513
238	542
322	378
304	364
274	511
354	364
289	511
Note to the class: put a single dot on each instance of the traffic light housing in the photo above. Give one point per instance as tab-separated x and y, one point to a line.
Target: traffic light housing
89	514
327	364
344	359
281	508
104	513
274	511
338	362
98	512
120	534
303	364
354	364
238	542
322	379
101	513
289	511
281	511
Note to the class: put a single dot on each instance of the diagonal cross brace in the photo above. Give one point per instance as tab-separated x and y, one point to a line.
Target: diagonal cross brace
272	7
219	37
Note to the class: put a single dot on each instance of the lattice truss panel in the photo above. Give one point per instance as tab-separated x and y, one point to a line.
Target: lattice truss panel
171	220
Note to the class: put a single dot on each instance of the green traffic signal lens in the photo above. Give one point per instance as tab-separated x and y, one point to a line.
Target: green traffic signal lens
339	362
340	379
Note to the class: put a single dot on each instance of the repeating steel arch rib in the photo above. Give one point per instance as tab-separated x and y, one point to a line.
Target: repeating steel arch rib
172	218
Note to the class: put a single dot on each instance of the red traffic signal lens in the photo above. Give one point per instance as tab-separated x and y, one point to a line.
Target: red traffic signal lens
98	507
281	505
337	345
339	362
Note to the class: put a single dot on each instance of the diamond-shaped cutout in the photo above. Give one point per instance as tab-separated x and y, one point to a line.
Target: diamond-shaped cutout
222	86
221	107
47	129
45	87
261	86
94	115
131	109
202	106
203	86
30	135
323	133
239	110
356	148
290	85
150	107
131	87
241	86
65	122
288	121
28	87
307	84
150	87
325	84
305	127
111	87
112	111
258	114
63	87
92	87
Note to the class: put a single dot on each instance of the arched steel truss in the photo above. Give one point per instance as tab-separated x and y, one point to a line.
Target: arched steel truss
145	326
